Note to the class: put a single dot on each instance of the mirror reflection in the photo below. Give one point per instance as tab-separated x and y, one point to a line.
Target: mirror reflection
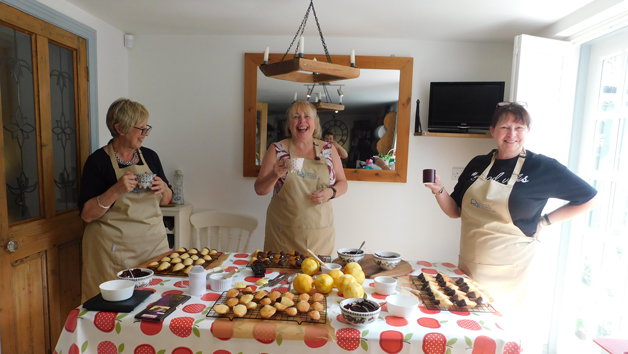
366	128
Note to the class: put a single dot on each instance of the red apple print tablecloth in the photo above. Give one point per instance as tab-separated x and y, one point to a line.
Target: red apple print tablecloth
189	331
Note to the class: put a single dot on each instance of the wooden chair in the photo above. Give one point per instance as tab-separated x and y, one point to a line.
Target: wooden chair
223	227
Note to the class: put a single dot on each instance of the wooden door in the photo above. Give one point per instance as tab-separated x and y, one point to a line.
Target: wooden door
44	144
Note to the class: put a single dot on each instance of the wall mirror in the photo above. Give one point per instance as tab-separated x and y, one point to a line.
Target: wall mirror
375	119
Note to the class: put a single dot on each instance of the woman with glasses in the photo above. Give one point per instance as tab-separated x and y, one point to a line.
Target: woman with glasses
124	222
500	197
300	216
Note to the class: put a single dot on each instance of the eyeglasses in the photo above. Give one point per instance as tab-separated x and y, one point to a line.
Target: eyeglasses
516	103
145	130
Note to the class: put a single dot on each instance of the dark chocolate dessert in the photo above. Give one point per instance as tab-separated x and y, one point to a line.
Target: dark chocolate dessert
137	273
353	252
362	306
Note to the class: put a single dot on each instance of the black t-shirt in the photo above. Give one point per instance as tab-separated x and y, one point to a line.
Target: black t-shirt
99	175
540	178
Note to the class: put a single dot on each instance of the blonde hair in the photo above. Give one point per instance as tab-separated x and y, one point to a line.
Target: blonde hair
309	108
126	114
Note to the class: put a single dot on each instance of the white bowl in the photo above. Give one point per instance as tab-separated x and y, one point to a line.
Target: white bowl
330	266
218	284
387	260
385	285
345	257
140	282
117	290
402	305
359	318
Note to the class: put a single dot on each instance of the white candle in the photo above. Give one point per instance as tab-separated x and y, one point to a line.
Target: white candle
295	96
352	56
301	45
317	97
266	53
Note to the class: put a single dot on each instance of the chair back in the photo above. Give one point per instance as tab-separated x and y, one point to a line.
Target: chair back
222	230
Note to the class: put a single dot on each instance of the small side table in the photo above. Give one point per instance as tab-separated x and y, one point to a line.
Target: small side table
182	230
613	346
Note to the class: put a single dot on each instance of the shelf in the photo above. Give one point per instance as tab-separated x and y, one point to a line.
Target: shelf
455	135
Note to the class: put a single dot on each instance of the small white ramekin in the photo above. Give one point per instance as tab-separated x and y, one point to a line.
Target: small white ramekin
385	285
329	266
217	283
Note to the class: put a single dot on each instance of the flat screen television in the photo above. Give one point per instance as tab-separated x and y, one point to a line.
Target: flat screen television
460	106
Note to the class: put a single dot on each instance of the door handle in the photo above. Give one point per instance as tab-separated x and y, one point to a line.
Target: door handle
12	245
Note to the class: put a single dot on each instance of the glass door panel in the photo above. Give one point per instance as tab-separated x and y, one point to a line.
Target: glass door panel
63	114
19	125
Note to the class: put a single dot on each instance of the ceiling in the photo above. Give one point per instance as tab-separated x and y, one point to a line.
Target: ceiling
450	20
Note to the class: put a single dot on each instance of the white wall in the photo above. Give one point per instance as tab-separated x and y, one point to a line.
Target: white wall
193	86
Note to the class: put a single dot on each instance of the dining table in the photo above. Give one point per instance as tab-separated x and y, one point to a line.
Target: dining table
188	330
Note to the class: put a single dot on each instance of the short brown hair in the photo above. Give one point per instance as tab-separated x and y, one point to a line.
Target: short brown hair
518	111
126	114
309	107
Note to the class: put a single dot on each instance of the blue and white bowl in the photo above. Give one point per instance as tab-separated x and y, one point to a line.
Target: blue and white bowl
359	318
387	260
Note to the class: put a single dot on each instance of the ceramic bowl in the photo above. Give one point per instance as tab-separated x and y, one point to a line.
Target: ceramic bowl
385	285
330	266
387	260
345	255
117	290
141	281
359	318
218	284
145	180
402	305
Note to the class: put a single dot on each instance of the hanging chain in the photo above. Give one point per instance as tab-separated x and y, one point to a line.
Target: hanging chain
301	29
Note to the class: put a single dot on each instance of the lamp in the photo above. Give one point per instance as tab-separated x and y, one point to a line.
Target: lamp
309	91
340	93
305	70
327	105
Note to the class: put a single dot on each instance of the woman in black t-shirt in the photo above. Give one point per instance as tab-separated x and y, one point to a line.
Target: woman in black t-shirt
500	197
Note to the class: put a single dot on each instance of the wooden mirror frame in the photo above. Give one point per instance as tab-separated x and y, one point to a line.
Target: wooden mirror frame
403	64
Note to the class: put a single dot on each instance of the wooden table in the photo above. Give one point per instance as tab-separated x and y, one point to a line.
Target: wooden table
188	330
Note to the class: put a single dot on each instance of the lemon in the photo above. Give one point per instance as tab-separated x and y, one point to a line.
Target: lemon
324	283
358	274
303	283
343	281
335	274
310	266
353	290
351	265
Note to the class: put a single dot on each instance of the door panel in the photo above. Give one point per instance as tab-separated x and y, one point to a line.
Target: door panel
43	81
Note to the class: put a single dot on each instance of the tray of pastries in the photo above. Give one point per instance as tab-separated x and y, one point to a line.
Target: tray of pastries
443	292
282	259
270	305
179	262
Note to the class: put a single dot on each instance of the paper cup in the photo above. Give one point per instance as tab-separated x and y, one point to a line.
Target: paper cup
295	164
429	176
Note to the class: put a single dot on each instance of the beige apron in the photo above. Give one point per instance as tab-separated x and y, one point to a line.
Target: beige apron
132	230
493	251
293	222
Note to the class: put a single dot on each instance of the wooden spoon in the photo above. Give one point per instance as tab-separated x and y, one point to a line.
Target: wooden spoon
318	259
229	275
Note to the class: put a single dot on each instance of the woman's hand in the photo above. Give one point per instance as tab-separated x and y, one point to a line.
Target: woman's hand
158	185
436	186
126	183
280	168
321	196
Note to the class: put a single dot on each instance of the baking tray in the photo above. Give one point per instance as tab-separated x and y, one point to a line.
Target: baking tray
431	306
278	316
217	260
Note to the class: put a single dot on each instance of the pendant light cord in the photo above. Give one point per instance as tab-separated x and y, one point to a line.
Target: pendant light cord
302	29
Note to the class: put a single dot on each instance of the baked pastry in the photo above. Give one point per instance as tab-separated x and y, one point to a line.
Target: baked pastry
287	302
177	267
233	293
212	252
221	309
315	315
280	307
195	257
175	260
232	302
184	256
251	305
303	306
245	299
267	311
239	310
181	250
164	266
240	285
291	311
274	295
260	294
288	294
187	261
247	290
188	269
153	265
192	251
265	301
199	261
205	251
165	259
207	257
304	297
317	306
318	297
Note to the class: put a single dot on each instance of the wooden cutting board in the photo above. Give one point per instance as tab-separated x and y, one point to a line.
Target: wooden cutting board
372	270
215	263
